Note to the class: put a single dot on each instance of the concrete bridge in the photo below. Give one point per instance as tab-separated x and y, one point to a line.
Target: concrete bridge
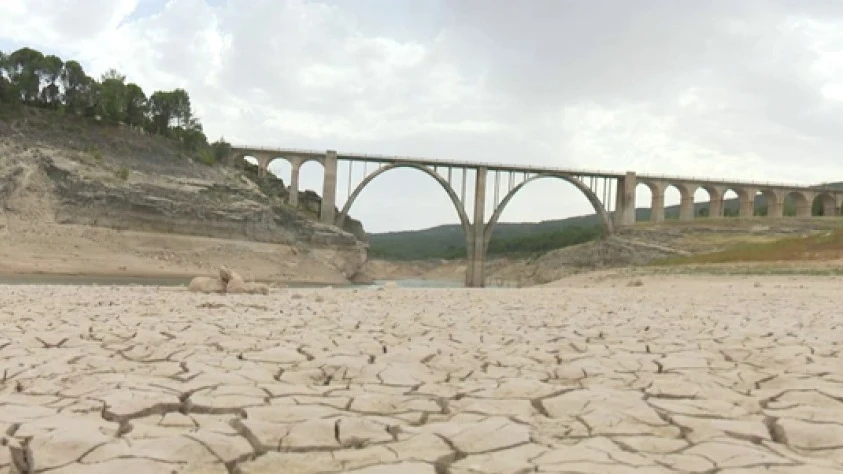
611	194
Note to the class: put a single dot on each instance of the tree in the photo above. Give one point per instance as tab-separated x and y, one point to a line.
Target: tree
6	92
74	80
112	105
136	106
221	150
51	70
161	112
89	93
192	136
182	113
24	70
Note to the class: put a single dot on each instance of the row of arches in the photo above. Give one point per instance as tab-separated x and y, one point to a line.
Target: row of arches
687	201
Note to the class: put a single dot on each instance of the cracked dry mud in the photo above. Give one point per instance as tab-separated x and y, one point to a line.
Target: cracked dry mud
681	375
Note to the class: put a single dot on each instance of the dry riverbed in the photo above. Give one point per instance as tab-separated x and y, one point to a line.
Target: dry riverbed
592	374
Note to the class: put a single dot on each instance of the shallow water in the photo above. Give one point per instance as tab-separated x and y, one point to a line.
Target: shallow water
43	279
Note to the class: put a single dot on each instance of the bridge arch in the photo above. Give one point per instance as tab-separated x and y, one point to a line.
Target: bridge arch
800	202
824	204
733	197
773	203
455	200
608	227
709	200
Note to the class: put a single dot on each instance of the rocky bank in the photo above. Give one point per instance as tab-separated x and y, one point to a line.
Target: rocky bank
59	175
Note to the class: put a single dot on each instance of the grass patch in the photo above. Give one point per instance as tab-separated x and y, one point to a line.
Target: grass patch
825	246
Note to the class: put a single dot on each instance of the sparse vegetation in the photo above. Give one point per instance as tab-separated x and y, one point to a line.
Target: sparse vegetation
826	246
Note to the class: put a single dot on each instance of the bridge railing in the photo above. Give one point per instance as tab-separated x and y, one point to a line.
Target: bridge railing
544	169
439	162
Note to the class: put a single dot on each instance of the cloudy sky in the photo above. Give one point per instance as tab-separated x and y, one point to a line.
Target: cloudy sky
749	89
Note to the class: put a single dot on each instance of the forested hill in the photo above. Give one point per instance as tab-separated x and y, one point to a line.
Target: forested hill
31	78
448	241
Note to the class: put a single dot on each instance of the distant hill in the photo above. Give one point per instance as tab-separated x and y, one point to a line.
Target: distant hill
448	241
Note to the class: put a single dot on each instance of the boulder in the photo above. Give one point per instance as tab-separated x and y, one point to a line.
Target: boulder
203	284
228	281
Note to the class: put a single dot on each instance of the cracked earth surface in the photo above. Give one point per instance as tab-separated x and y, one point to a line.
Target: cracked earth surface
714	376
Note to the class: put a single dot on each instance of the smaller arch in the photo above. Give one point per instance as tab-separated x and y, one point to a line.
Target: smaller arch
608	227
455	200
679	210
732	204
824	204
765	203
795	203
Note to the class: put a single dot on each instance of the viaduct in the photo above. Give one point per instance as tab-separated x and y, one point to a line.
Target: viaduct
611	194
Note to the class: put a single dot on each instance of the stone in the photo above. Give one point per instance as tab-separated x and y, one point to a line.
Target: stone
203	284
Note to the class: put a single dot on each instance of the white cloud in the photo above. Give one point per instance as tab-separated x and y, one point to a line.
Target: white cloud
747	89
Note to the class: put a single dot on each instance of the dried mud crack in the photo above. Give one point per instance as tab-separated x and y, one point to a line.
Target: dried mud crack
657	378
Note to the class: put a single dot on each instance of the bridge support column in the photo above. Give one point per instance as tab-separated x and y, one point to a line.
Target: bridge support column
774	200
625	200
686	205
293	198
329	188
475	275
657	206
832	207
715	203
746	200
263	164
803	208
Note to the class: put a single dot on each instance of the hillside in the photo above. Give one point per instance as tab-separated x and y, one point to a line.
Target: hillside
448	241
78	196
717	245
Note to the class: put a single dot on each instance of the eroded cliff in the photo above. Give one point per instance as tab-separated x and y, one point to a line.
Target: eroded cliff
56	171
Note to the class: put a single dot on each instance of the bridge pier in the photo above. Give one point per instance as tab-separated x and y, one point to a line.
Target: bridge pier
686	204
263	164
293	198
747	203
329	188
657	206
625	200
475	272
715	201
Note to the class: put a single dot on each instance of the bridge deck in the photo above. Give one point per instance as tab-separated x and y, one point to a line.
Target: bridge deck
387	159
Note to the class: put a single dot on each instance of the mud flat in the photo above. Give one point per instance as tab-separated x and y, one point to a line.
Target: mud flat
599	373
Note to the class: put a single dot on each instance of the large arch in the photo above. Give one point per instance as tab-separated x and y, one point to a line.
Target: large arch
608	227
455	200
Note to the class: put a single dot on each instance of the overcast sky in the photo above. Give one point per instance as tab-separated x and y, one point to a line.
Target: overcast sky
749	89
